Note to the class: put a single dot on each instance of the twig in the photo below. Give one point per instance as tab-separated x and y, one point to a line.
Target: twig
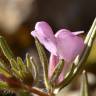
35	90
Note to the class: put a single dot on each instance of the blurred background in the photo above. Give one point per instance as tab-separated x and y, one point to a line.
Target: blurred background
18	18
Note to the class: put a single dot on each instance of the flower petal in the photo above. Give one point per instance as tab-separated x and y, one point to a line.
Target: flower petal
52	64
77	32
69	45
45	35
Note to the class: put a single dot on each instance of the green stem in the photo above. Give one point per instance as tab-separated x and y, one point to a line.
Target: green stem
35	90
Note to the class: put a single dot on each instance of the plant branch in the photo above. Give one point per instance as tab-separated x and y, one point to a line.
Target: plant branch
35	90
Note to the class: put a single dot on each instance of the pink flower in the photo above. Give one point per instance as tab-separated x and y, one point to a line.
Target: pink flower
63	45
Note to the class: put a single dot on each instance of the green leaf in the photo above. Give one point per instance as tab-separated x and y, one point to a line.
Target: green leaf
35	67
18	67
4	64
17	73
84	85
90	31
57	71
44	62
14	64
3	69
5	48
28	63
32	66
15	70
20	63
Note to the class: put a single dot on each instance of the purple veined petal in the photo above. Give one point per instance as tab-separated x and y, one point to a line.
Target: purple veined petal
52	64
45	35
78	32
69	45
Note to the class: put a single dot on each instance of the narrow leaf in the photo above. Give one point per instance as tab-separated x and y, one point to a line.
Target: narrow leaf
35	69
14	64
22	67
84	85
15	70
5	48
90	31
28	63
57	71
21	64
32	66
4	64
44	62
17	73
4	70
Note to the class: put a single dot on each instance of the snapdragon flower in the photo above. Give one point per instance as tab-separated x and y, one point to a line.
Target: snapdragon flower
63	45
